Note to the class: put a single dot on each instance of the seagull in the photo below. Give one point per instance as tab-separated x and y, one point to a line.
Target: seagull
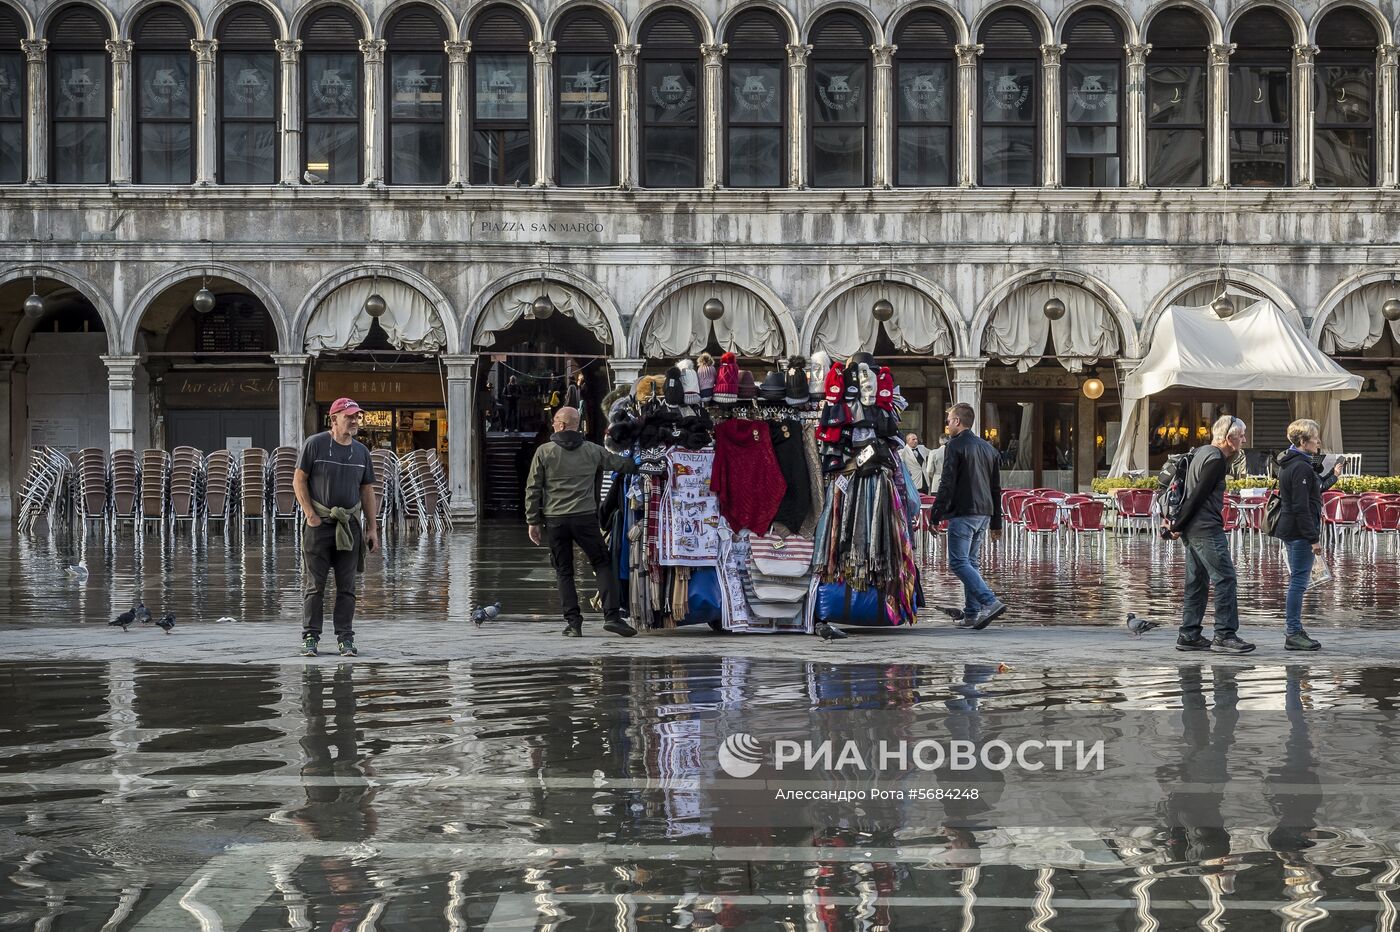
226	618
486	613
166	623
122	620
311	177
1140	626
141	612
79	572
827	633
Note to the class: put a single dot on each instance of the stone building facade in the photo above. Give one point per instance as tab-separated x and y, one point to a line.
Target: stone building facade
967	162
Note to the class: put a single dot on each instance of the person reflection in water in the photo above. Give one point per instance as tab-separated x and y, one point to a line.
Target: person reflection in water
966	816
338	808
1295	794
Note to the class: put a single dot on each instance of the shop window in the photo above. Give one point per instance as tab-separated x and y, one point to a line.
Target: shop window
586	75
1009	100
1035	441
840	79
80	98
1344	120
236	325
14	87
501	94
331	89
1261	101
165	91
1093	101
249	97
755	108
1108	428
416	72
1176	99
670	100
925	100
1180	423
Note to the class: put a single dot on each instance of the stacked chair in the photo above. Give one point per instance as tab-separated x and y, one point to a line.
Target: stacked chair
220	487
94	484
186	485
126	486
282	472
252	480
425	493
155	486
386	487
46	490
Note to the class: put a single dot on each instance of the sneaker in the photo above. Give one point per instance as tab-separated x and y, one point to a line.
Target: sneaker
308	646
1231	645
347	648
989	614
573	631
1301	641
620	627
1196	643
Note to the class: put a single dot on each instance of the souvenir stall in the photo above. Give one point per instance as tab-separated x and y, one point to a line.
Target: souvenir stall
771	508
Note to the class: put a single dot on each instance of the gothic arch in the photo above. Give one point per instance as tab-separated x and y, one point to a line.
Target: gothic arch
110	321
157	286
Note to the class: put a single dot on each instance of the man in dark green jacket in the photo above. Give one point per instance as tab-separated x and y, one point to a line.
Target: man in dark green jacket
561	501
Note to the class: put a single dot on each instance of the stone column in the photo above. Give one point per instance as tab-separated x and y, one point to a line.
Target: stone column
291	398
967	384
7	367
881	167
375	141
121	120
459	120
1135	150
37	154
712	146
966	128
290	51
1218	131
626	371
1387	172
629	116
461	440
543	149
206	147
1303	115
121	401
1052	150
797	114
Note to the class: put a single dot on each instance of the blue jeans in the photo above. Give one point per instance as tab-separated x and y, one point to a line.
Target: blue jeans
965	535
1208	562
1300	564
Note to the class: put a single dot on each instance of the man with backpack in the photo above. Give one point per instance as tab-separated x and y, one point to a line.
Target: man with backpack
1199	520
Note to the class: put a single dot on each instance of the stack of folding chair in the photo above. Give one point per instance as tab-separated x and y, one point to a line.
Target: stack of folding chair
155	487
220	486
94	484
414	495
283	472
45	489
186	484
441	488
252	480
126	486
386	487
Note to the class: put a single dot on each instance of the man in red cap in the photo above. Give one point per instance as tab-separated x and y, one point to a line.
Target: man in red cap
334	485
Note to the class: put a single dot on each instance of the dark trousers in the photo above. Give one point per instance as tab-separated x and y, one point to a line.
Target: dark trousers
318	558
583	530
1208	562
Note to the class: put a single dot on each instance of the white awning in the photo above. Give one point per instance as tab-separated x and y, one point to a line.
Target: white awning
1018	329
516	302
1356	323
917	326
678	326
340	322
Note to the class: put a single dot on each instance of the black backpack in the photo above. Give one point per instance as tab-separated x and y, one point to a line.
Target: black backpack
1172	479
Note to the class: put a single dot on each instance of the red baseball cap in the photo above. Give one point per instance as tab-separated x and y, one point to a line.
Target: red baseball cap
345	406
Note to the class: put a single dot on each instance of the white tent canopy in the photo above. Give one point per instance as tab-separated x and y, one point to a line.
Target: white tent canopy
340	322
1257	350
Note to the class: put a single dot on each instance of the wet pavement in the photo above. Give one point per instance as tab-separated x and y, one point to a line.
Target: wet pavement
639	784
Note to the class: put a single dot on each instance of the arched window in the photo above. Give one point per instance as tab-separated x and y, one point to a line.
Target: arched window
1093	100
587	87
14	85
1344	122
1176	99
756	101
1010	100
1261	100
926	98
416	73
670	102
840	102
80	97
331	137
165	90
501	95
249	97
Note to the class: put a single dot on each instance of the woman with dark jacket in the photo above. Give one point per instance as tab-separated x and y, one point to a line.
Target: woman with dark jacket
1299	526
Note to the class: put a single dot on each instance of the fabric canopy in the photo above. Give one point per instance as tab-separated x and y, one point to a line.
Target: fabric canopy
1257	350
1356	323
678	326
917	326
1018	329
516	302
340	322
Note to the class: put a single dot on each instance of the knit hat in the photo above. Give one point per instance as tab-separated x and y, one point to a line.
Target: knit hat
817	364
796	382
648	387
773	387
884	396
834	420
727	380
690	382
748	391
852	393
869	386
675	394
622	430
835	383
705	373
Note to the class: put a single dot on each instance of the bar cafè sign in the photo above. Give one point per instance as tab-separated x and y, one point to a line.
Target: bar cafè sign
220	390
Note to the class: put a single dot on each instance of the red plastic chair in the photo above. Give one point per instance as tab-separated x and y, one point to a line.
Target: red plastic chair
1087	518
1013	509
1230	516
1052	494
1042	516
1135	505
1341	513
1380	517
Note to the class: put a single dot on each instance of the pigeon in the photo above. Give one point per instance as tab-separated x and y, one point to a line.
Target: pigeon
827	633
141	612
954	613
1140	626
226	618
166	623
79	572
311	177
122	620
486	613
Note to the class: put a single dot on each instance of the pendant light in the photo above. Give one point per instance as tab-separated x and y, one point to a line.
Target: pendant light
542	308
1054	308
375	305
1093	385
882	310
1390	310
203	298
34	304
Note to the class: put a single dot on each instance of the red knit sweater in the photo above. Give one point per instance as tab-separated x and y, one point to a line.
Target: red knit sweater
746	479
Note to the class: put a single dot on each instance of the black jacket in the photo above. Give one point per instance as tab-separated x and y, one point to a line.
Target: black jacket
971	481
1203	509
1300	489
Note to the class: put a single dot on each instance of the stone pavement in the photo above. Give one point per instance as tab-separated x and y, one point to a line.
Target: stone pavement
519	641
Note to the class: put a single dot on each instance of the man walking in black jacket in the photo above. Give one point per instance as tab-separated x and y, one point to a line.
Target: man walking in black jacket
969	496
1201	526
